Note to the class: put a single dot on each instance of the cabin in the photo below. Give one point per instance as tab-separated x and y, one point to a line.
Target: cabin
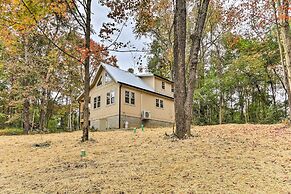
120	99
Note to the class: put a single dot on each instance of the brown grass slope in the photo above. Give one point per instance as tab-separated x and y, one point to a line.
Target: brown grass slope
222	159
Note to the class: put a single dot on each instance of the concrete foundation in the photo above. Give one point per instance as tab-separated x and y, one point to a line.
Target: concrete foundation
105	123
113	123
136	122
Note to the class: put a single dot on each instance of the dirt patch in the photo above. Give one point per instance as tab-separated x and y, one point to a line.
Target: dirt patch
219	159
42	144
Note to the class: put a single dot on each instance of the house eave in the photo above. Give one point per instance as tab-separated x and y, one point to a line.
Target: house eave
153	92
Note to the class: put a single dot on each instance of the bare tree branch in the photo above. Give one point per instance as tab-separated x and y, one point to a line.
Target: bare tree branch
79	10
74	15
127	51
117	36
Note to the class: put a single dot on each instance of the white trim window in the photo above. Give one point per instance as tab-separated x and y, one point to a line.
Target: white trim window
172	88
132	98
107	78
110	97
159	103
129	97
95	102
98	101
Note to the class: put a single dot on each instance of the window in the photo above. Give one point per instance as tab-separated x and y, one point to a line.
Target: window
110	97
95	102
159	103
129	97
172	88
107	78
99	82
163	85
126	96
98	101
132	99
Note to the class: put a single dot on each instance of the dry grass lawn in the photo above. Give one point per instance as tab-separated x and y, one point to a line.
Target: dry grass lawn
221	159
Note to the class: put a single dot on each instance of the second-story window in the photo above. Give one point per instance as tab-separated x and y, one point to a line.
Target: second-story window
132	99
172	88
110	97
129	97
159	103
98	101
163	85
126	96
95	102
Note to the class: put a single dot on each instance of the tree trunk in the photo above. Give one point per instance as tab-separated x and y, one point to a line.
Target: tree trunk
285	84
179	66
26	103
85	136
220	76
286	40
184	90
246	106
43	109
196	38
26	120
241	105
221	108
70	115
33	119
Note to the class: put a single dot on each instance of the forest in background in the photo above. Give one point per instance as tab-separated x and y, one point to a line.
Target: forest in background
242	73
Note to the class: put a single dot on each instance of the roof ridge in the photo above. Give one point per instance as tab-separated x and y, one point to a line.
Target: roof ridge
121	69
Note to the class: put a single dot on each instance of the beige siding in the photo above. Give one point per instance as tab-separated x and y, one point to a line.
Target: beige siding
168	87
162	114
104	110
149	80
147	102
129	109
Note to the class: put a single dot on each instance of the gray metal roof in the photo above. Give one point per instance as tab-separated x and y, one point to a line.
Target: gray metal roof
126	77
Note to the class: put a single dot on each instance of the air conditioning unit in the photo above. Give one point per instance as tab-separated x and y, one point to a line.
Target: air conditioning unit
145	114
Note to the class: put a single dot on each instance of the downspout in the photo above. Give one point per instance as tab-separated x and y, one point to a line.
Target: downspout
119	108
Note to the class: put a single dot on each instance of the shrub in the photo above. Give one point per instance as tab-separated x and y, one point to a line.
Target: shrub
11	131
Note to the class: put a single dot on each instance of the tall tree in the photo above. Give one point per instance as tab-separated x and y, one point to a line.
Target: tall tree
185	80
180	67
87	8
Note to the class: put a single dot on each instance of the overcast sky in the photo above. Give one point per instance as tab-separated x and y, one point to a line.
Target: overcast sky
125	60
